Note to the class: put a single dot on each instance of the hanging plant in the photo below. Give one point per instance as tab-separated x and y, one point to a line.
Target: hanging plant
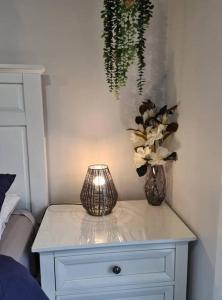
125	23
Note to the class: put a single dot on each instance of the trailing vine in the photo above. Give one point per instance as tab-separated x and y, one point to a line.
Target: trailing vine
125	23
108	15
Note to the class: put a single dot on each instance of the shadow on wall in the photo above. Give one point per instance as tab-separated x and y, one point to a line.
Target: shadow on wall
199	262
173	141
155	72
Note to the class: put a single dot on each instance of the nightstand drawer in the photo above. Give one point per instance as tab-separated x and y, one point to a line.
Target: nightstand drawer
161	293
115	269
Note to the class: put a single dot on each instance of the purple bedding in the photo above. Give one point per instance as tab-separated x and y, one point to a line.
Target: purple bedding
16	283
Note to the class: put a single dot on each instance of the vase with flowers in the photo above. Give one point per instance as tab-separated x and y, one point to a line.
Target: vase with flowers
153	128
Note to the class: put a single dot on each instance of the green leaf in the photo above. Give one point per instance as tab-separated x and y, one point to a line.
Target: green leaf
124	40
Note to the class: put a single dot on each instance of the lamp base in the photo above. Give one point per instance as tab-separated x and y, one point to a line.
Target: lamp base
98	210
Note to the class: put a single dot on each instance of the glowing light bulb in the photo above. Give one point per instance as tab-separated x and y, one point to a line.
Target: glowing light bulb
99	181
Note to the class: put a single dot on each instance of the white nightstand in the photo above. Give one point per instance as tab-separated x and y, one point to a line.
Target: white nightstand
139	252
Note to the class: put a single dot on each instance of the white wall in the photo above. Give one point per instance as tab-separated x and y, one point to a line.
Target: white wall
194	80
85	124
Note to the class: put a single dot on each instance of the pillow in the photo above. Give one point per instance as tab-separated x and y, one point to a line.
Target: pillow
11	200
6	181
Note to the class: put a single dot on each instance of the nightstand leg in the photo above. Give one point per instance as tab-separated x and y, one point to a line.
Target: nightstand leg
48	274
181	271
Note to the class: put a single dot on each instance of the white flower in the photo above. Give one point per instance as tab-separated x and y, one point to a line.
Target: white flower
141	155
140	128
161	128
157	158
148	114
138	140
165	119
154	134
148	129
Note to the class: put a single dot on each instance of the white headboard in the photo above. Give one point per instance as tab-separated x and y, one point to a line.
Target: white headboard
22	141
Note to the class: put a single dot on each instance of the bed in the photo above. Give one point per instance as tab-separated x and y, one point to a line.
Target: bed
16	283
22	152
18	236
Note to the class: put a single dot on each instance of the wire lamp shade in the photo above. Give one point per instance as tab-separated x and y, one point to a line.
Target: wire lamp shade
98	195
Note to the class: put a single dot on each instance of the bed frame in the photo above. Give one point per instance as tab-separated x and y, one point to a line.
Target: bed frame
22	139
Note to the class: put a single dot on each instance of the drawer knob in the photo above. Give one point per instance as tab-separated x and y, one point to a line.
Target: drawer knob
116	269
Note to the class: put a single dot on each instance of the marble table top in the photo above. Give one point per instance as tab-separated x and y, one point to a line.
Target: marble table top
67	227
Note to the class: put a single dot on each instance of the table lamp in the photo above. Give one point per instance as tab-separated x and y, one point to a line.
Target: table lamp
98	195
